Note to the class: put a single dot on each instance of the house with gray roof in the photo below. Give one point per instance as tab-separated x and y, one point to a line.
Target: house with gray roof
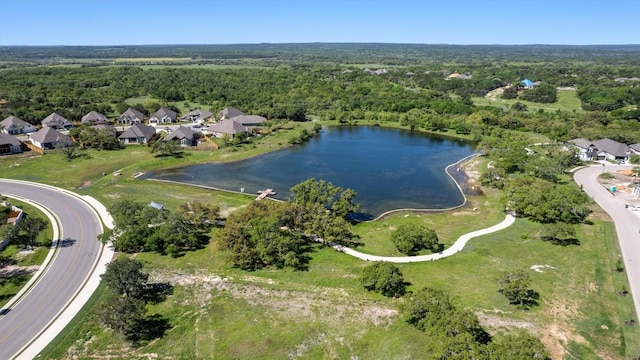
13	125
227	127
106	127
603	149
163	116
197	115
635	148
57	122
229	113
182	135
249	120
94	118
130	117
49	138
9	144
137	134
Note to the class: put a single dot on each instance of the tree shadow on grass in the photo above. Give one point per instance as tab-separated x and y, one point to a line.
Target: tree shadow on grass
150	328
157	292
176	155
562	242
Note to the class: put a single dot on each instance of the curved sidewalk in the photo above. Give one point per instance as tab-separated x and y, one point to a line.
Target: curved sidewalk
456	247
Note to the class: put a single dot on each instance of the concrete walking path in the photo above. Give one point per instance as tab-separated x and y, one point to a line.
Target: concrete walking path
456	247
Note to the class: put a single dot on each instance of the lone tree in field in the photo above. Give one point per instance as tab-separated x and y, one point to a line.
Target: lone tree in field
125	277
384	278
123	314
409	239
515	286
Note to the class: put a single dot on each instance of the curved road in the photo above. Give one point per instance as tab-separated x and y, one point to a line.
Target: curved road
627	223
74	260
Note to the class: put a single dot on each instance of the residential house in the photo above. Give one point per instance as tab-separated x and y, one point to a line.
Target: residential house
9	144
183	135
163	116
94	118
137	134
227	127
249	120
527	84
57	122
106	127
603	149
198	116
635	149
229	113
130	117
49	138
15	126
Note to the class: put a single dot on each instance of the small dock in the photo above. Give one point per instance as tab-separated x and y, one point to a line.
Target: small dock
264	194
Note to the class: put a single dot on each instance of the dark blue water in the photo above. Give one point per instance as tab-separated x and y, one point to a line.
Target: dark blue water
388	168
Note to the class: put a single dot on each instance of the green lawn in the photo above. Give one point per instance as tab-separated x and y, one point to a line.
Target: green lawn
567	101
219	311
10	286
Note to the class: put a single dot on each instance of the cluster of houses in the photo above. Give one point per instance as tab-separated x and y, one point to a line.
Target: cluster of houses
136	128
604	149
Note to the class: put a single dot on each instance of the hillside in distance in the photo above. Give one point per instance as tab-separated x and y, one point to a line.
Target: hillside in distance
390	54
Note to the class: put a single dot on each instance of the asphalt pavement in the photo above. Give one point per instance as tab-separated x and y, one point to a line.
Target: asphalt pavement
627	223
74	260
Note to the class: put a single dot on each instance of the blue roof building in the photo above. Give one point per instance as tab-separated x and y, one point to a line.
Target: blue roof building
527	83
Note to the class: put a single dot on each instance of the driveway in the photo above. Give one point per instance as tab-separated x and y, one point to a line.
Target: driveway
627	223
74	260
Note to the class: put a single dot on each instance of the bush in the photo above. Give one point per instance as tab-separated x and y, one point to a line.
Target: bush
384	278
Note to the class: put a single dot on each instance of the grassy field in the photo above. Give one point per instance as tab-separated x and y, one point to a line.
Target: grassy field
217	311
567	101
9	287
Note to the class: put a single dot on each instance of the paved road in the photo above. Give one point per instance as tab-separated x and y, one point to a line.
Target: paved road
456	247
627	223
72	263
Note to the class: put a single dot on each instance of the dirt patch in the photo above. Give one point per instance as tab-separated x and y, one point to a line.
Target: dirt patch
12	270
226	212
493	322
325	305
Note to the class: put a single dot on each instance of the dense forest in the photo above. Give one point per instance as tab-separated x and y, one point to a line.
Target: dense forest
393	54
420	93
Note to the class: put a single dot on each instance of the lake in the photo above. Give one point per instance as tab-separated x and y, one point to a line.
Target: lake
388	168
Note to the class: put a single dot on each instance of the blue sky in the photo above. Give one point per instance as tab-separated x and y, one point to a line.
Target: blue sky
135	22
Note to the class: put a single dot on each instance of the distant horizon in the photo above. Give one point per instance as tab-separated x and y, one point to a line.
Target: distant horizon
200	22
316	42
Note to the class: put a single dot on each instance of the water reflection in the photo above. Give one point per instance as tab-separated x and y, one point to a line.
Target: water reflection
388	168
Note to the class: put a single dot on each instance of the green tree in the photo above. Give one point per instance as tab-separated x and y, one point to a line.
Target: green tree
201	215
384	278
333	198
28	229
264	234
68	149
410	238
165	148
515	286
123	314
559	233
510	93
517	346
518	106
432	311
125	276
